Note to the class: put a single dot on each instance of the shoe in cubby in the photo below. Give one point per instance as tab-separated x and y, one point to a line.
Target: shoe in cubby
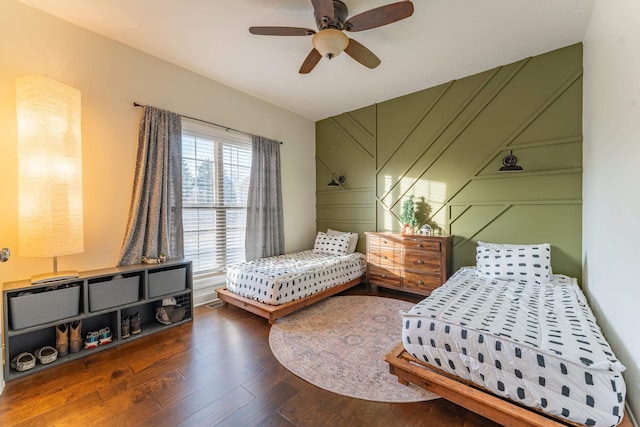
75	336
46	355
104	336
62	339
136	321
23	362
92	340
126	327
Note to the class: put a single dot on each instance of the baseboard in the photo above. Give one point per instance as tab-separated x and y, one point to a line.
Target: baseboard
632	417
202	298
216	303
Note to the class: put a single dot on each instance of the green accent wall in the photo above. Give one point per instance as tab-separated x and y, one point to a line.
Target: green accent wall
445	145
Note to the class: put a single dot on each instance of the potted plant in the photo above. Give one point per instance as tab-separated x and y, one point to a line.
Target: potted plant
408	215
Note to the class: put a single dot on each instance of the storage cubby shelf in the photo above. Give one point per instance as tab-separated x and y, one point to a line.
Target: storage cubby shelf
32	312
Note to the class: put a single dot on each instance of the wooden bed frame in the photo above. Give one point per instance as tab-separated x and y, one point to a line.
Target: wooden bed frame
470	396
273	312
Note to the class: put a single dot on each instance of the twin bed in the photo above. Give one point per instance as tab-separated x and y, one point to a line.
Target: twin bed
514	342
507	339
276	286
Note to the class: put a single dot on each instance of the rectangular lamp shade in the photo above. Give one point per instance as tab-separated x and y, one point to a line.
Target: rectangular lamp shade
49	168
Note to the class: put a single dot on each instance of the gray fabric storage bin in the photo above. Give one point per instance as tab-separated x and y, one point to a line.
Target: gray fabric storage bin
112	293
167	281
44	307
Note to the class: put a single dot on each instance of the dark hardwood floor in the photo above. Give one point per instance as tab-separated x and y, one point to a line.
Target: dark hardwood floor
215	371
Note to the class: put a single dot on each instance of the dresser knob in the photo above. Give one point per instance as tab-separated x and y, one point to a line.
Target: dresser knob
420	282
420	262
384	275
420	245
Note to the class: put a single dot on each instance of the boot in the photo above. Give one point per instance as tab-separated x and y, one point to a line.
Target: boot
62	339
75	341
125	332
135	324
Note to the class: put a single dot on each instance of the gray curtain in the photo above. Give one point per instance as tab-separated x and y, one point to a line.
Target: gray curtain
155	217
265	227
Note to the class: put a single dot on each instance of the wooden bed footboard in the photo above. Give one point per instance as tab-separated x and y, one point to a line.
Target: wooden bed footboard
273	312
468	395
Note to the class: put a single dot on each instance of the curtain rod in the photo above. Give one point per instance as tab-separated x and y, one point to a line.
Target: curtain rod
227	128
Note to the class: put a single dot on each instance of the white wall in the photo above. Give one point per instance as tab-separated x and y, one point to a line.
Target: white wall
611	177
111	76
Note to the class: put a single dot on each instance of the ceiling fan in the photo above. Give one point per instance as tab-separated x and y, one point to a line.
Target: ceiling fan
331	20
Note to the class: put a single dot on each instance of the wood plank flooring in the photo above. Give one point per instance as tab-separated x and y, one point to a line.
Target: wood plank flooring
215	371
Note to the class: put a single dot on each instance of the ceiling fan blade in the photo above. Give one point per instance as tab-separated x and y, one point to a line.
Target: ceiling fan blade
281	31
361	54
310	62
379	16
322	8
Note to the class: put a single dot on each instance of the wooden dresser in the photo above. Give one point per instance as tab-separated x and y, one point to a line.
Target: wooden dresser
408	262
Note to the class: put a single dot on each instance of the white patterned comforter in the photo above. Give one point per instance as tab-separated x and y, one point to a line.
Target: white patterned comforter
284	278
537	344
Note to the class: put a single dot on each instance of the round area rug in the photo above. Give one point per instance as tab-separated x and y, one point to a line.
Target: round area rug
339	345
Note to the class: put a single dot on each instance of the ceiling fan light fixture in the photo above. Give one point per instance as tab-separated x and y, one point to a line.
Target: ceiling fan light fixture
330	42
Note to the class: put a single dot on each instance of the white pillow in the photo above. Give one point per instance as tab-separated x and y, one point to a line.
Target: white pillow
353	238
332	245
509	245
531	263
514	246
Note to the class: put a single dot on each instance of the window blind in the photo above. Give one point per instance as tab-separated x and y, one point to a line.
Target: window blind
215	179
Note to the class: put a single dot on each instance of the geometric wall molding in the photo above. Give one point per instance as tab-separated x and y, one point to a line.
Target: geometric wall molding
444	145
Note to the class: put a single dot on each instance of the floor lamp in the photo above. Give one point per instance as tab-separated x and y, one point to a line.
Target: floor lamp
49	172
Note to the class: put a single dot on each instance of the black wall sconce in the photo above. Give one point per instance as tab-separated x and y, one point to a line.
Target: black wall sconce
333	183
509	163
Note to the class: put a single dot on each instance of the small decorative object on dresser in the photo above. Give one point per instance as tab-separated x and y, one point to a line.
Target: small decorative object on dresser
408	216
426	230
411	263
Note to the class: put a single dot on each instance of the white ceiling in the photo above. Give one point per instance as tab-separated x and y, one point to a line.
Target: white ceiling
443	40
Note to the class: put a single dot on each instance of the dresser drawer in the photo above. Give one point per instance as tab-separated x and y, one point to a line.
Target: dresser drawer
383	241
422	261
419	243
421	283
384	257
384	276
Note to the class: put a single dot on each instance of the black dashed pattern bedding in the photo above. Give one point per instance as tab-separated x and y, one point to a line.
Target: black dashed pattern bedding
537	344
284	278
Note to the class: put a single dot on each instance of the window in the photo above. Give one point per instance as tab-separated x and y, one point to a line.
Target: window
215	179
